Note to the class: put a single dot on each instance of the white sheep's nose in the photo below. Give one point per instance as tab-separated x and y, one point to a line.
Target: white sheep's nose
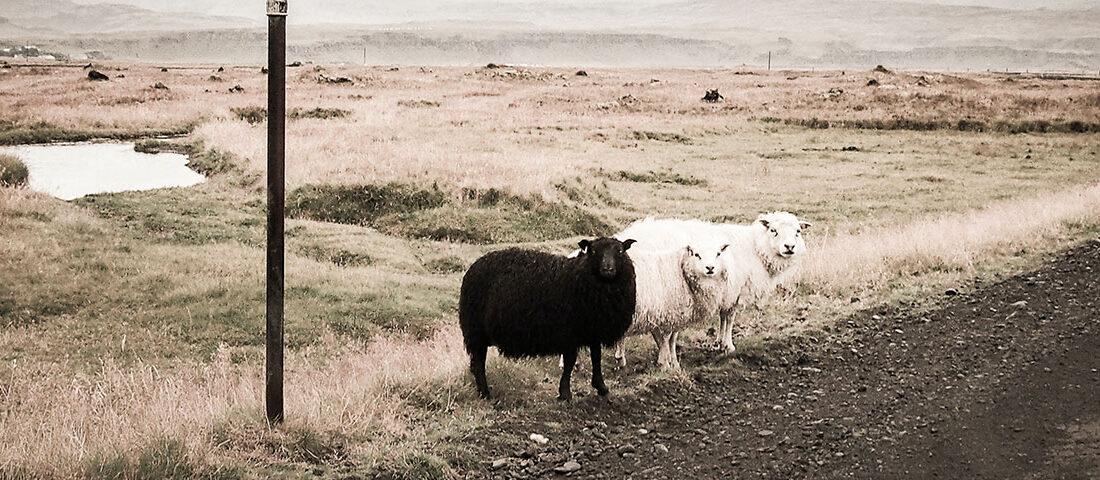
789	247
710	270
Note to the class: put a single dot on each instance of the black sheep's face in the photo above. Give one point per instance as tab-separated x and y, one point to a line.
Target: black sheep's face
606	257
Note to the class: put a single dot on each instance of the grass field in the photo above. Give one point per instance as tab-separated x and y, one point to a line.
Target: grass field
132	323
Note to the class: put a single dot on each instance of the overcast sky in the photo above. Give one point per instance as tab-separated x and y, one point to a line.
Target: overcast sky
388	11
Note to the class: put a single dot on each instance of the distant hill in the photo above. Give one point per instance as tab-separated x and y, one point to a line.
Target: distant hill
60	17
911	34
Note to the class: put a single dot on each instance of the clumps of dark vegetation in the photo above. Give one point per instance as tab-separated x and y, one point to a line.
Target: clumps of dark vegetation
880	69
444	265
18	133
319	112
236	89
161	459
419	103
962	125
338	257
662	137
251	114
254	115
160	86
325	79
97	76
13	172
872	83
487	216
212	162
657	177
157	146
360	205
582	73
712	96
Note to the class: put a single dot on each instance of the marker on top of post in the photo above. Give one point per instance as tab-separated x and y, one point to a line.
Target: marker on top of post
276	7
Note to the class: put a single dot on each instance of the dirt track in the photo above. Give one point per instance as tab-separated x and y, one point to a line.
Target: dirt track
987	387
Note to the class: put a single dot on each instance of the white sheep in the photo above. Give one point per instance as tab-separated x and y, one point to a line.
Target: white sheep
763	255
675	288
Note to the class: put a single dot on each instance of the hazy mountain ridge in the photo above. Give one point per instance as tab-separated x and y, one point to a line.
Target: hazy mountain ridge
61	17
646	33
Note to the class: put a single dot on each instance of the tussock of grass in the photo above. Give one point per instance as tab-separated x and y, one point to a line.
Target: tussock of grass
13	172
662	137
448	264
419	103
338	257
657	177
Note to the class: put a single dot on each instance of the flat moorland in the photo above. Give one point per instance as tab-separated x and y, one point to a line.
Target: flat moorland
132	323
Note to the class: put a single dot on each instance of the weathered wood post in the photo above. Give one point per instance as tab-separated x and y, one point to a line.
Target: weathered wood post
276	123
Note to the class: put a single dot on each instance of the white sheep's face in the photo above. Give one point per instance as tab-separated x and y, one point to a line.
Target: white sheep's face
784	233
705	261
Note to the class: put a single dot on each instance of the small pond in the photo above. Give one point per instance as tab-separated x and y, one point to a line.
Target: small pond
69	171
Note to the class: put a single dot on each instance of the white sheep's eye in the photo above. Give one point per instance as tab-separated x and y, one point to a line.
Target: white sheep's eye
774	232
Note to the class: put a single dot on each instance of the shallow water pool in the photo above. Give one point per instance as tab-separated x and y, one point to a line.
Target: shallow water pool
69	171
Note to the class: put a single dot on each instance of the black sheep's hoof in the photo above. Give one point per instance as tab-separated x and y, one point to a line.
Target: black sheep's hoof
603	391
565	397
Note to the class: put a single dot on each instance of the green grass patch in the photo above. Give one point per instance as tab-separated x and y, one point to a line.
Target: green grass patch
162	459
360	205
18	133
155	146
339	257
444	265
13	172
489	216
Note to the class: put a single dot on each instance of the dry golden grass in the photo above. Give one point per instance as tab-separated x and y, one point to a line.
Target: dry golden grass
135	359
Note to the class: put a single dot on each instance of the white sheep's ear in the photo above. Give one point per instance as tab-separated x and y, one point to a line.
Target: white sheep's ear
584	244
805	225
627	243
690	251
763	221
723	249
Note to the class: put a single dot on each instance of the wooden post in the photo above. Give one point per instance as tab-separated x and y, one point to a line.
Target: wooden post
769	60
276	123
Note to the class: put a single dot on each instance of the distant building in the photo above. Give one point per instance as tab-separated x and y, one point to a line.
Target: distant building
6	52
29	51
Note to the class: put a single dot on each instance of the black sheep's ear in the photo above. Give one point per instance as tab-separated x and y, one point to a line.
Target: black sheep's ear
628	243
584	244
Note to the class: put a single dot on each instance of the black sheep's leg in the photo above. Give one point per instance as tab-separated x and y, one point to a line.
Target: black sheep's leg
477	367
570	359
597	373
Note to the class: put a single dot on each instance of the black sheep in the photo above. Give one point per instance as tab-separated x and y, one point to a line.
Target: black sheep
529	303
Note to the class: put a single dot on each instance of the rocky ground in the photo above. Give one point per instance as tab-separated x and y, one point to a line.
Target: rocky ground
1000	383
